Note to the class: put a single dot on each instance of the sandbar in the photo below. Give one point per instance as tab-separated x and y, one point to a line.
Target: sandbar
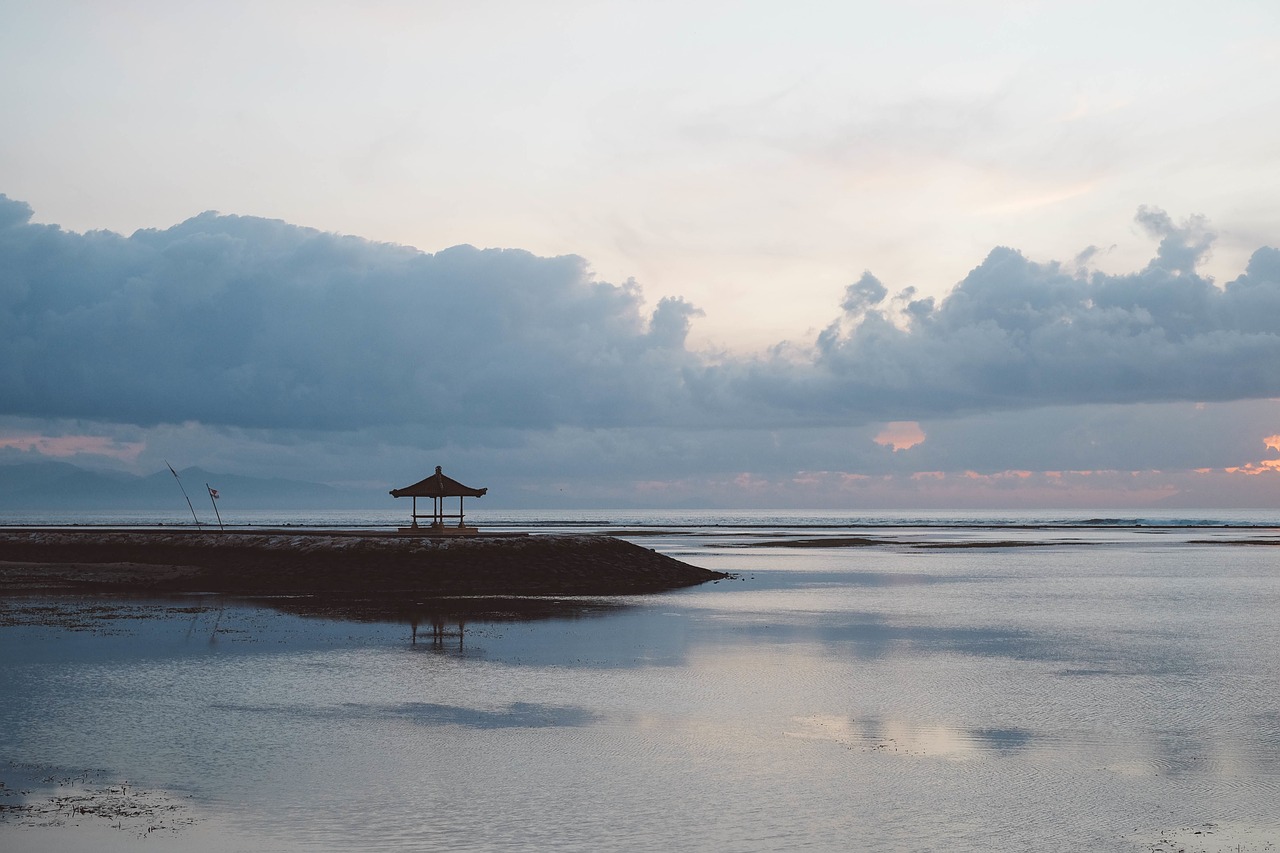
330	564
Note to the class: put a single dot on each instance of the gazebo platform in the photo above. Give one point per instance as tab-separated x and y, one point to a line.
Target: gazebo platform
435	530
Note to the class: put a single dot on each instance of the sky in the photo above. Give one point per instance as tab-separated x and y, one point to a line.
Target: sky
859	255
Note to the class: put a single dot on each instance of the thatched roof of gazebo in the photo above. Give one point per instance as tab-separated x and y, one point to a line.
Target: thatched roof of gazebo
438	486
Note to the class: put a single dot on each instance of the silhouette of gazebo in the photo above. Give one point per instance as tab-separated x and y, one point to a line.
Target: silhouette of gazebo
438	487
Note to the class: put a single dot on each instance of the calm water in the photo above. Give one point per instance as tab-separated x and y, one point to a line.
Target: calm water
1108	687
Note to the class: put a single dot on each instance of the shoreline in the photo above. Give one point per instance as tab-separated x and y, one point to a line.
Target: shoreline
335	565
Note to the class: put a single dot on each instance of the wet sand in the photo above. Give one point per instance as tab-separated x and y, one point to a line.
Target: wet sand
332	565
868	542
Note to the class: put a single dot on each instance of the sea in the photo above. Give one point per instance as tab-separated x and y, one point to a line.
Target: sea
940	681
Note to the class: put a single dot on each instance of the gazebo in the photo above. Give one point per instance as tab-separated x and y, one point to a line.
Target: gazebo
438	487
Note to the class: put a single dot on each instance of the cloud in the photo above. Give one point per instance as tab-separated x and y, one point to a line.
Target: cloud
256	324
1182	247
1265	466
1084	456
863	295
900	435
1016	334
64	446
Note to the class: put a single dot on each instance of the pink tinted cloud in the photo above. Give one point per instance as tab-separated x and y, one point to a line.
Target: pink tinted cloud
1252	469
750	482
900	435
62	446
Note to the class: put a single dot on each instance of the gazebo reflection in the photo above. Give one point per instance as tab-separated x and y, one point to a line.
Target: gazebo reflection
439	626
434	621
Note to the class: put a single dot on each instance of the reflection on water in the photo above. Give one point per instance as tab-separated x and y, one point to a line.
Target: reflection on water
434	620
905	738
515	715
1117	697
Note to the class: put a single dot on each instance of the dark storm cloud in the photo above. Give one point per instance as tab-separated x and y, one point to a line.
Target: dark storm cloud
257	323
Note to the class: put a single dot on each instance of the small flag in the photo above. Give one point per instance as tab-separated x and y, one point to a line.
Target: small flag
213	500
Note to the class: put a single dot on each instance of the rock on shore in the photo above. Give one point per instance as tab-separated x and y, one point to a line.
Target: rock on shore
365	566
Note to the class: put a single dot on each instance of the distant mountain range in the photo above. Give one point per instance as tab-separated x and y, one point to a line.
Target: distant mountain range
59	485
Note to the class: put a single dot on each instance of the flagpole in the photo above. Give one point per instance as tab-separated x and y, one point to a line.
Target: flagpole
213	499
184	492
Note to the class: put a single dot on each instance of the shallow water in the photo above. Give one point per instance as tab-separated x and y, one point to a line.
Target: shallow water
1113	690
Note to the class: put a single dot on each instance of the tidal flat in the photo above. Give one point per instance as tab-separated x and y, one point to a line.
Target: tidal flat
1109	690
